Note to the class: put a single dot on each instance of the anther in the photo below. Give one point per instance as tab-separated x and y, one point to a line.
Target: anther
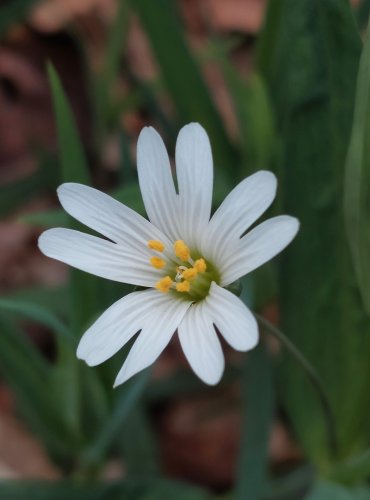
184	286
181	250
157	262
190	274
164	284
156	245
200	265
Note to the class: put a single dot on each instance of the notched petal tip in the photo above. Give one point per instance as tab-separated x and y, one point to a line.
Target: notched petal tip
147	134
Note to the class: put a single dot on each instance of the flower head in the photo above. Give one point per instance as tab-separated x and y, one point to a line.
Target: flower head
183	257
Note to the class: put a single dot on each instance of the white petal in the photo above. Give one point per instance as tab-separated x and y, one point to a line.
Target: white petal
97	256
240	209
194	169
201	345
117	325
258	246
233	319
109	217
156	182
154	337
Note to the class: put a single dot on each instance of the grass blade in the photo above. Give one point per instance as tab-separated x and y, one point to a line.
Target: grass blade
258	403
357	180
182	77
37	313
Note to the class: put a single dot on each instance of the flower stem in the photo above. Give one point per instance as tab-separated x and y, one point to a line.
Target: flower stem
313	377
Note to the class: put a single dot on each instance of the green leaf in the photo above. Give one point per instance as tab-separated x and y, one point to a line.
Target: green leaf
357	191
362	13
258	406
312	84
324	491
117	35
355	469
45	219
27	373
312	376
142	489
17	193
37	313
255	118
139	450
182	77
127	396
83	287
71	154
14	12
290	485
266	43
52	298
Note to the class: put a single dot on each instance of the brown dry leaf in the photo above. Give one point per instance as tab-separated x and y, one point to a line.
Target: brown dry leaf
236	15
21	455
199	439
283	448
54	15
27	122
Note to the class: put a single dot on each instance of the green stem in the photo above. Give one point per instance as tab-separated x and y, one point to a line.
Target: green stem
313	377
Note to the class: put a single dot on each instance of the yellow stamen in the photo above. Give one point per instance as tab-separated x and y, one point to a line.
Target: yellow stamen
184	286
157	262
156	245
190	274
200	265
164	284
181	250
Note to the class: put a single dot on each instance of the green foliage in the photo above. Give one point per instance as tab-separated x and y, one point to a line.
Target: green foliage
258	393
324	491
182	78
143	489
357	191
312	83
294	115
26	372
15	194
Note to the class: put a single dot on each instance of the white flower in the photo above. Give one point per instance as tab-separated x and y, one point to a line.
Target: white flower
184	258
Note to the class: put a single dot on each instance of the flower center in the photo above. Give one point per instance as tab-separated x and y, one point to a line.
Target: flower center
187	275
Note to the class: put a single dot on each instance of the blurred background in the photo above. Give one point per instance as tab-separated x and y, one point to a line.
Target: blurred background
281	85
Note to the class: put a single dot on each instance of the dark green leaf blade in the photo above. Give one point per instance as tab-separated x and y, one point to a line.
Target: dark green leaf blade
258	404
182	77
142	489
357	180
312	82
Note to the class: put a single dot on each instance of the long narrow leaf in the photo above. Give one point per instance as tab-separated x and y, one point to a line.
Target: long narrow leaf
258	404
27	374
143	489
181	75
357	180
128	396
83	287
36	313
312	84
